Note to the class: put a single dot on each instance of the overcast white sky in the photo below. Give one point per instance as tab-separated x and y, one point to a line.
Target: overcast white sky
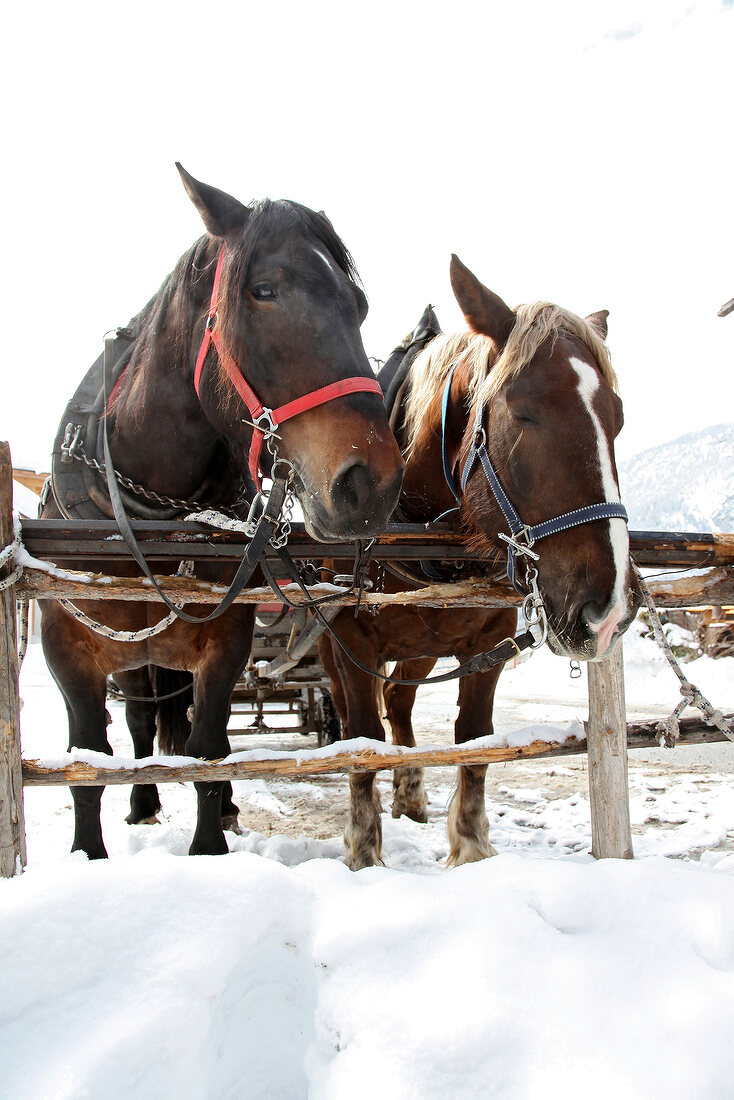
579	152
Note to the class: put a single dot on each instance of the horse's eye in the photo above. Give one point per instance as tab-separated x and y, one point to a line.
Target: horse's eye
262	292
526	420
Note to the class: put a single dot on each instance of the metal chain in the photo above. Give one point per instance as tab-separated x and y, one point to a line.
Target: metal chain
150	494
185	569
670	728
279	541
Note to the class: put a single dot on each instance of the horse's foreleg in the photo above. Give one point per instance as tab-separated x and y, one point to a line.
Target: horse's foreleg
140	714
468	826
85	705
328	663
409	794
363	829
209	741
230	810
223	657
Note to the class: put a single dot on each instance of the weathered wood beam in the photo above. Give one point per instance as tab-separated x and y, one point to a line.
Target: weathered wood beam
304	763
287	765
40	585
62	540
711	586
693	731
12	821
606	738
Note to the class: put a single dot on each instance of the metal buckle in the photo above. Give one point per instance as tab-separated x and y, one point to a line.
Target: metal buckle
72	439
258	506
211	321
348	580
522	548
267	416
533	610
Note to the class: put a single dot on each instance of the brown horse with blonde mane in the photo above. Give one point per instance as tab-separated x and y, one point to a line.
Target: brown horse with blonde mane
533	392
252	339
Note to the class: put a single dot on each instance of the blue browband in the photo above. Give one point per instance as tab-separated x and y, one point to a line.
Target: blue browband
521	537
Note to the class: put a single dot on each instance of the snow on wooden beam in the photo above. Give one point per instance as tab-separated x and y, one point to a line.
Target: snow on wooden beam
702	586
93	769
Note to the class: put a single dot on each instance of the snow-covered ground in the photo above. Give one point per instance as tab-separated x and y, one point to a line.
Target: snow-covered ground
275	972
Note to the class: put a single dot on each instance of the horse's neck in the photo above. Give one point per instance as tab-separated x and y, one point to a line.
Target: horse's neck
160	436
426	494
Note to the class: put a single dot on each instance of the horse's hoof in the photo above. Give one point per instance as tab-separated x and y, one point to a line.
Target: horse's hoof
217	847
470	852
91	852
151	820
418	814
231	824
363	859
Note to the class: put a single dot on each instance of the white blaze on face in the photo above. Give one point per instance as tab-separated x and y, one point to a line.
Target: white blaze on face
618	534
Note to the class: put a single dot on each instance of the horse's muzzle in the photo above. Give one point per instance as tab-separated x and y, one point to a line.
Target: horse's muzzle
588	634
357	504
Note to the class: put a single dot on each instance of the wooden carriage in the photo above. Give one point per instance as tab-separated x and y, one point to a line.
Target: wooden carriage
299	693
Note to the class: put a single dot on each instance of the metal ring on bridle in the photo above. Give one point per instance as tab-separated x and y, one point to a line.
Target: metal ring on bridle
267	416
520	547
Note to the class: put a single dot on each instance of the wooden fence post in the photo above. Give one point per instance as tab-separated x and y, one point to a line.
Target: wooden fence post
606	737
12	821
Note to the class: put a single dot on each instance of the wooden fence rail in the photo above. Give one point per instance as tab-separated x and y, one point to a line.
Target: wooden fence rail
59	542
707	586
375	757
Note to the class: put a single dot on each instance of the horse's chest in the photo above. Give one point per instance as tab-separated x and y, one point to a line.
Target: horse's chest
425	632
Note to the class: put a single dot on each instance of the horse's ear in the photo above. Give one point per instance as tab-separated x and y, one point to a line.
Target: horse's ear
220	213
483	311
598	321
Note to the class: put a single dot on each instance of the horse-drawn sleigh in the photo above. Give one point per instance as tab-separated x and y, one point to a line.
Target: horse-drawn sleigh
249	362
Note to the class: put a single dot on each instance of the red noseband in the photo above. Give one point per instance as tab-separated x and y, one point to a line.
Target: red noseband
260	414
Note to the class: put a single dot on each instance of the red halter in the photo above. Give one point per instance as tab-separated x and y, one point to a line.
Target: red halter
260	414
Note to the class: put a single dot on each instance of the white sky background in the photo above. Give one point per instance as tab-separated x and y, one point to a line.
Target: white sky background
579	152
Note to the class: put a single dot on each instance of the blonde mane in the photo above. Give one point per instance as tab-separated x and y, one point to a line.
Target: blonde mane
535	323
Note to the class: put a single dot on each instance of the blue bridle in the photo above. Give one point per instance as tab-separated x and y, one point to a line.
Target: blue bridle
522	537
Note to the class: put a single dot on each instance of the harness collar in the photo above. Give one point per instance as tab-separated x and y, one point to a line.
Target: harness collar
263	419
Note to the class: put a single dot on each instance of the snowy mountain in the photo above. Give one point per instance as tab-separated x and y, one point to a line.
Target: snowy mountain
684	485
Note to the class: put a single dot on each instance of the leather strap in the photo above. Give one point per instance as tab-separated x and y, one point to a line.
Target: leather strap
607	509
266	528
480	662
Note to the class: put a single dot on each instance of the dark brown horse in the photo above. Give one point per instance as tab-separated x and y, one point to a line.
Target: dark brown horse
263	309
533	392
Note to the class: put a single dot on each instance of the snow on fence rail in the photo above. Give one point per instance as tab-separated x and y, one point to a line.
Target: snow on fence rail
710	582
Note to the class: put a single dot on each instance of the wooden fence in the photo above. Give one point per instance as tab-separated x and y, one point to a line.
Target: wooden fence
59	541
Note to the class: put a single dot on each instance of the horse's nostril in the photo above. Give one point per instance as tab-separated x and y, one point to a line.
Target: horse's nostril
595	611
353	487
